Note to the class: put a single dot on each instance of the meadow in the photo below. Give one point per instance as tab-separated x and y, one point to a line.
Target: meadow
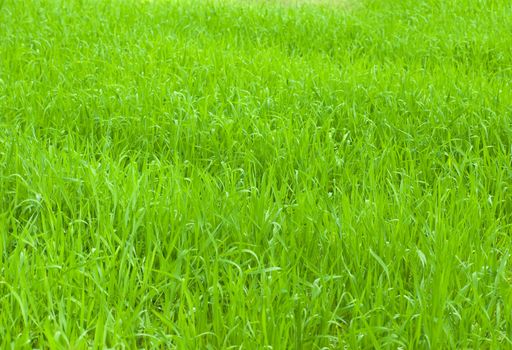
255	174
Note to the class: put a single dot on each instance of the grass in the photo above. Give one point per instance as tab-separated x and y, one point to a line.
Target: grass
215	175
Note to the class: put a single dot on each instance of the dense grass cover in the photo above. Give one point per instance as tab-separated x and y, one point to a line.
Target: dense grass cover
255	175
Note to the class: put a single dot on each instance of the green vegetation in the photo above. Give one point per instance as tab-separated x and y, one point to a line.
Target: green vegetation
255	175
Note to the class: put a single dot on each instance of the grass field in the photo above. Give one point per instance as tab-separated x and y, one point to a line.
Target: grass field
256	175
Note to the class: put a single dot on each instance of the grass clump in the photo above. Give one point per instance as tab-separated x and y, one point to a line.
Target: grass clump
233	175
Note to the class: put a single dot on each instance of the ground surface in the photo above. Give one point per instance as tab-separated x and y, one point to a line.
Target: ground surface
255	175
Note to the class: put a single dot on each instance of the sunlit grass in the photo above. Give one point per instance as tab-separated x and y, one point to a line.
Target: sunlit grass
255	175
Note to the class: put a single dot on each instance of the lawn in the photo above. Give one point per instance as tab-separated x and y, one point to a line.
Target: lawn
235	174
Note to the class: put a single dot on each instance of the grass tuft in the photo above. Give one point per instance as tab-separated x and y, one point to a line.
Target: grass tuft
232	175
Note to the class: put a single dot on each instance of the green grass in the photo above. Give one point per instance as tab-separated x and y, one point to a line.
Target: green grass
214	175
